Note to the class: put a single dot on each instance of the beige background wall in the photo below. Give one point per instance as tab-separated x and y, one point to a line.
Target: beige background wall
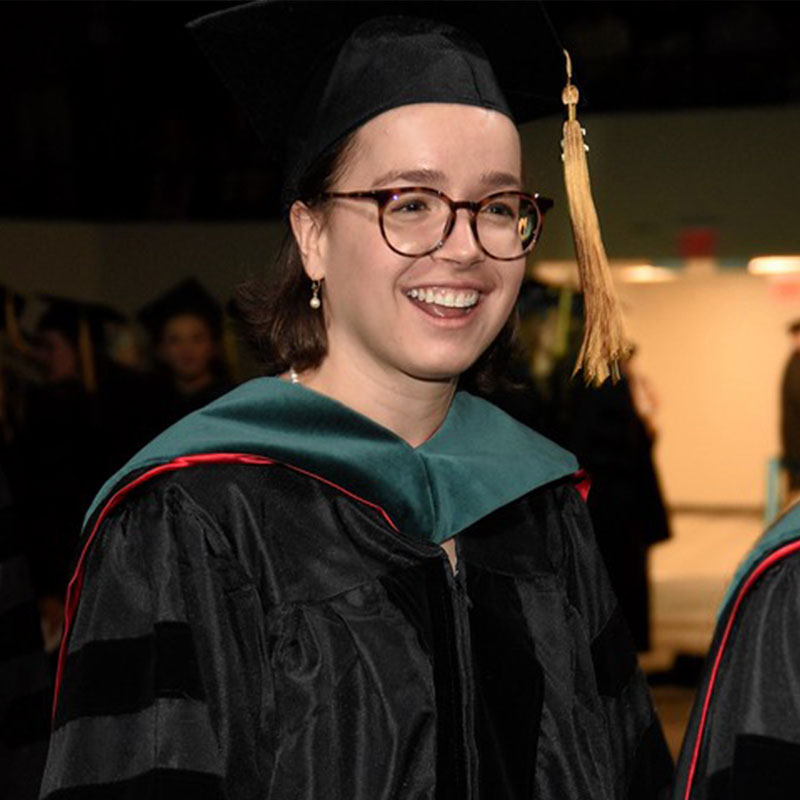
714	347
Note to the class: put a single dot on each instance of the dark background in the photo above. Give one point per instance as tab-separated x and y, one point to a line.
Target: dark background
110	113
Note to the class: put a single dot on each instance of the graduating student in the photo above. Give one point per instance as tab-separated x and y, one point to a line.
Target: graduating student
352	579
743	738
81	422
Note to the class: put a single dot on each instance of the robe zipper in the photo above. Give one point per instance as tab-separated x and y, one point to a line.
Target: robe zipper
459	605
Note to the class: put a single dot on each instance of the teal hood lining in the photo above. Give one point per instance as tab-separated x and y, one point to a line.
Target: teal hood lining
477	461
784	530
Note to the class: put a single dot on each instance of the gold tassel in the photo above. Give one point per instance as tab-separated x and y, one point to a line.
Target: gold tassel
86	350
605	342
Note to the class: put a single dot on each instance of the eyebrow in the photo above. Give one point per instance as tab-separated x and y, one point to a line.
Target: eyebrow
425	177
416	176
500	180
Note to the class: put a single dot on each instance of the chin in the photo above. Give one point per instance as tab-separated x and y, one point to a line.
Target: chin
443	368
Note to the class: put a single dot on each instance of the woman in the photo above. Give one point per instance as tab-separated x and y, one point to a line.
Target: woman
351	580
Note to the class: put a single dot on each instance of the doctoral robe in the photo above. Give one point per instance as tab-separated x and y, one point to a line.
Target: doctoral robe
743	737
262	610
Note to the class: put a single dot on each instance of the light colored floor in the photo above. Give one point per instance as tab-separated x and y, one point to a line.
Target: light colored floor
673	705
689	575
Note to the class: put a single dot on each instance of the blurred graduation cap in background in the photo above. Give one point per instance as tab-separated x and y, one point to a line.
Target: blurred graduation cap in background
88	327
308	73
187	297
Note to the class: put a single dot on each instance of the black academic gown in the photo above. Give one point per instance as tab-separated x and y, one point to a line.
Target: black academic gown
281	622
743	737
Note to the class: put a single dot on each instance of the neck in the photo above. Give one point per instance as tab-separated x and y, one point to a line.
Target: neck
409	407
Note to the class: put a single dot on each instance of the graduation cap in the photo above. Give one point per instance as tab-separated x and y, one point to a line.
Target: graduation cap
85	325
308	73
187	297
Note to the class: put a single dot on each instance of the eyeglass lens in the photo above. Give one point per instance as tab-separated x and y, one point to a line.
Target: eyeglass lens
414	223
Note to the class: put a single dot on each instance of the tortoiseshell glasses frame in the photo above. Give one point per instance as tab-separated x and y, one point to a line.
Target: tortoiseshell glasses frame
383	197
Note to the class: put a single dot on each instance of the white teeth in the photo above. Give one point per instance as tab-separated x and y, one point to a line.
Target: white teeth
446	297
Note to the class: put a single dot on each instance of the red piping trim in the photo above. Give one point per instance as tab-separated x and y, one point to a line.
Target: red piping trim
583	483
76	583
768	562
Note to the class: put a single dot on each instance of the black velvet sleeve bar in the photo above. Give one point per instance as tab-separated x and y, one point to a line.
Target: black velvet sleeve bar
164	691
552	648
640	759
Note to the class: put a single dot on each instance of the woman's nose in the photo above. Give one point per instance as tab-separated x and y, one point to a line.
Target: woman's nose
460	243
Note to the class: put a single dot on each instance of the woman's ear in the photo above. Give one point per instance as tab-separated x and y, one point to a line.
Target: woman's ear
307	229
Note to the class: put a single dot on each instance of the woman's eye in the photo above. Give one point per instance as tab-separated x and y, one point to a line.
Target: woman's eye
410	206
500	209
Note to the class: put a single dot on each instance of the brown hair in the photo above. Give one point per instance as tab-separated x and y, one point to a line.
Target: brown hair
286	332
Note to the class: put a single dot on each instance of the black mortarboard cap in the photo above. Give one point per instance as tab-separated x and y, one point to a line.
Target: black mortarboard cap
67	315
85	325
308	73
187	297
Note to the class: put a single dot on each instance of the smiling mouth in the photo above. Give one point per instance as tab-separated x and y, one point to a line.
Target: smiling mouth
442	302
455	299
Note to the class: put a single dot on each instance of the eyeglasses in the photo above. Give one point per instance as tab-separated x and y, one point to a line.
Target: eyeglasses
416	220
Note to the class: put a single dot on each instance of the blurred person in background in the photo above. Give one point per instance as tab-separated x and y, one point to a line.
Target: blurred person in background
185	327
84	418
643	393
790	416
25	677
26	681
614	443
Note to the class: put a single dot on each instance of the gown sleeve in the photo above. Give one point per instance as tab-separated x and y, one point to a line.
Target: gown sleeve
166	689
641	759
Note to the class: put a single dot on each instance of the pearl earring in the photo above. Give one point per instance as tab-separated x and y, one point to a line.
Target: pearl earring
315	302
